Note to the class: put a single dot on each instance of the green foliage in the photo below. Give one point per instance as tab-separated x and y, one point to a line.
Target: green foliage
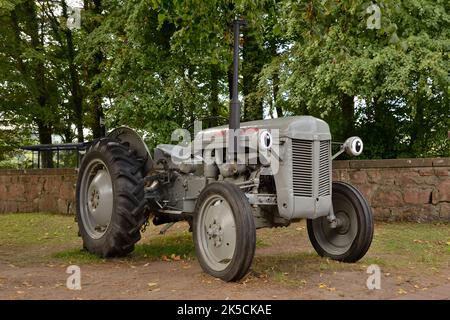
36	87
398	73
159	65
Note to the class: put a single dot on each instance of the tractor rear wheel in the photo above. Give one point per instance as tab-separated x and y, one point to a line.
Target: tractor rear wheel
110	198
350	239
224	231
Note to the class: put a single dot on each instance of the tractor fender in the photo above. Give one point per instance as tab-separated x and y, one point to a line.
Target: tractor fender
126	134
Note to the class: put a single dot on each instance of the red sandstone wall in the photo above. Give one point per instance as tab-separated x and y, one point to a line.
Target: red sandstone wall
38	190
401	189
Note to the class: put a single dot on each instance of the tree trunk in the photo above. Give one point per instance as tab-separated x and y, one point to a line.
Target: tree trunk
275	77
75	87
17	56
214	95
252	66
98	130
42	120
95	97
276	89
417	128
45	137
348	115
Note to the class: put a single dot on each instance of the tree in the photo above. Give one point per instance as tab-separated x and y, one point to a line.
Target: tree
159	65
26	81
91	59
396	72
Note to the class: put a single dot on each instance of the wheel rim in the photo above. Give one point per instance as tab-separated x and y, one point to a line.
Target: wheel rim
217	232
96	203
338	240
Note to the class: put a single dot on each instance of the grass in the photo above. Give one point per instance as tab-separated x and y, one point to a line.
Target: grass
405	247
162	247
411	244
31	238
166	246
77	256
26	229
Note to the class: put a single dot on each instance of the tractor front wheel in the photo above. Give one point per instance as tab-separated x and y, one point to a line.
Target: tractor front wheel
350	238
224	231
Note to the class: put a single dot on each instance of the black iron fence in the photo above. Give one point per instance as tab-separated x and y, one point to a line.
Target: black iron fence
66	155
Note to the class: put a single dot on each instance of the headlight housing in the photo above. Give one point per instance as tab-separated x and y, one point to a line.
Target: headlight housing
354	146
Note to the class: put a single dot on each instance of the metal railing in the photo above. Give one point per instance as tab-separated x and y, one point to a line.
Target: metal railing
46	154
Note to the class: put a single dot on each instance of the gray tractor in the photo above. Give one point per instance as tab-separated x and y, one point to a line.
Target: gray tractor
226	183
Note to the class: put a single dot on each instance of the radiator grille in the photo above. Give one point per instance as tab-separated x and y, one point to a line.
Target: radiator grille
324	168
302	167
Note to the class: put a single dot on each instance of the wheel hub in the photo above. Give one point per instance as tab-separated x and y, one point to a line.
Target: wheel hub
95	198
337	236
342	223
215	233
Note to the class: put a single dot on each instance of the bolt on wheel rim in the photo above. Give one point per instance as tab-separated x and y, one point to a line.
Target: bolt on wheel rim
217	231
96	203
338	240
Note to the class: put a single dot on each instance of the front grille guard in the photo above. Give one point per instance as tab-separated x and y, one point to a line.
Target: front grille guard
311	168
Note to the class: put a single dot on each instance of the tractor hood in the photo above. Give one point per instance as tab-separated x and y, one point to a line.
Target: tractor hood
298	127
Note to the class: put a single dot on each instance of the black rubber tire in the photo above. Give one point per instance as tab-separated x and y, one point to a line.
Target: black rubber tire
365	225
129	207
245	231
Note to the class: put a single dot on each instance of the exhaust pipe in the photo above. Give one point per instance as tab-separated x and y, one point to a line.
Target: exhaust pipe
235	105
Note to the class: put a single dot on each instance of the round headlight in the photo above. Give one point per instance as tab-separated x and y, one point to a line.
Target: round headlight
265	140
354	146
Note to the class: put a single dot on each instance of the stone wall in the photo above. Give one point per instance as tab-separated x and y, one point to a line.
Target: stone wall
38	190
401	189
